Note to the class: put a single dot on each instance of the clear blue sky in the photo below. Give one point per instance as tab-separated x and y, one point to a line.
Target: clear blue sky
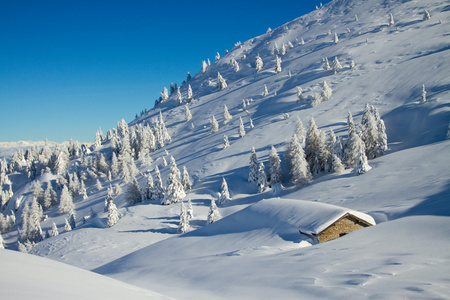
70	67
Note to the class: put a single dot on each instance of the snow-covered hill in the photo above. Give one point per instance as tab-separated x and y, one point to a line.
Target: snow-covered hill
255	250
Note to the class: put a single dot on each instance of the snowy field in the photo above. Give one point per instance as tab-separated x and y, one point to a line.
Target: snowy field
255	251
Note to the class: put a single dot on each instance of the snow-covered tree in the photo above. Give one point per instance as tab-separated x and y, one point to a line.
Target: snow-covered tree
336	164
326	65
258	64
226	143
254	165
262	178
150	187
113	215
214	125
114	165
82	190
244	105
226	115
266	91
424	94
391	20
326	91
67	226
55	231
283	49
188	77
174	191
316	100
185	180
190	94
241	128
299	168
38	192
65	201
299	94
274	167
335	39
221	83
164	94
235	65
204	67
190	210
217	56
277	65
98	185
158	191
299	130
336	65
362	165
133	195
98	138
426	15
224	194
251	124
184	220
213	214
72	219
179	98
188	113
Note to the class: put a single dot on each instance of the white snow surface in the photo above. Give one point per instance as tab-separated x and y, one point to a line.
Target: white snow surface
256	251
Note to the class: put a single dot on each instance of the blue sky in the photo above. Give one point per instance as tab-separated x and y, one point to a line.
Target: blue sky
70	67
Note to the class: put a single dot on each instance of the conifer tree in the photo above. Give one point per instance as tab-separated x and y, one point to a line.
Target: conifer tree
150	187
424	94
426	15
108	199
185	180
134	194
299	130
217	56
214	125
38	192
254	164
164	94
335	39
326	65
184	220
353	148
299	94
262	178
67	226
258	64
190	94
113	215
65	201
164	162
326	91
277	65
241	128
82	190
114	165
266	91
158	191
224	194
72	219
235	65
336	65
49	196
226	143
188	113
299	168
221	83
274	167
204	67
226	115
336	164
315	149
213	214
190	210
244	105
55	231
179	98
362	165
174	191
98	185
251	124
391	20
316	100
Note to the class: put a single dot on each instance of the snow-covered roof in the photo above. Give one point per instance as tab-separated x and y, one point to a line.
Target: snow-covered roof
309	217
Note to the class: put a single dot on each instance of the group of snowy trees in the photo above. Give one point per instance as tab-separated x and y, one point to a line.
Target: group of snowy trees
257	170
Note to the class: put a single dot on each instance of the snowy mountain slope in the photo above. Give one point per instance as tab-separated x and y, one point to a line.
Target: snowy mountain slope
406	191
30	277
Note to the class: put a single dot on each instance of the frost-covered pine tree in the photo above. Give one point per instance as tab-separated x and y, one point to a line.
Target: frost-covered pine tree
299	168
315	149
217	56
235	65
391	20
262	178
164	94
274	167
164	162
115	171
190	210
226	115
65	201
226	143
299	94
213	214
335	39
150	187
174	191
187	113
113	215
185	180
67	226
326	91
190	94
98	185
299	130
204	67
254	165
108	199
277	65
49	196
38	192
244	105
266	91
133	195
221	83
351	150
336	164
426	15
424	94
258	64
158	191
251	124
214	125
184	220
82	190
326	64
352	65
317	99
224	194
336	65
362	165
179	98
241	128
55	231
283	49
72	219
